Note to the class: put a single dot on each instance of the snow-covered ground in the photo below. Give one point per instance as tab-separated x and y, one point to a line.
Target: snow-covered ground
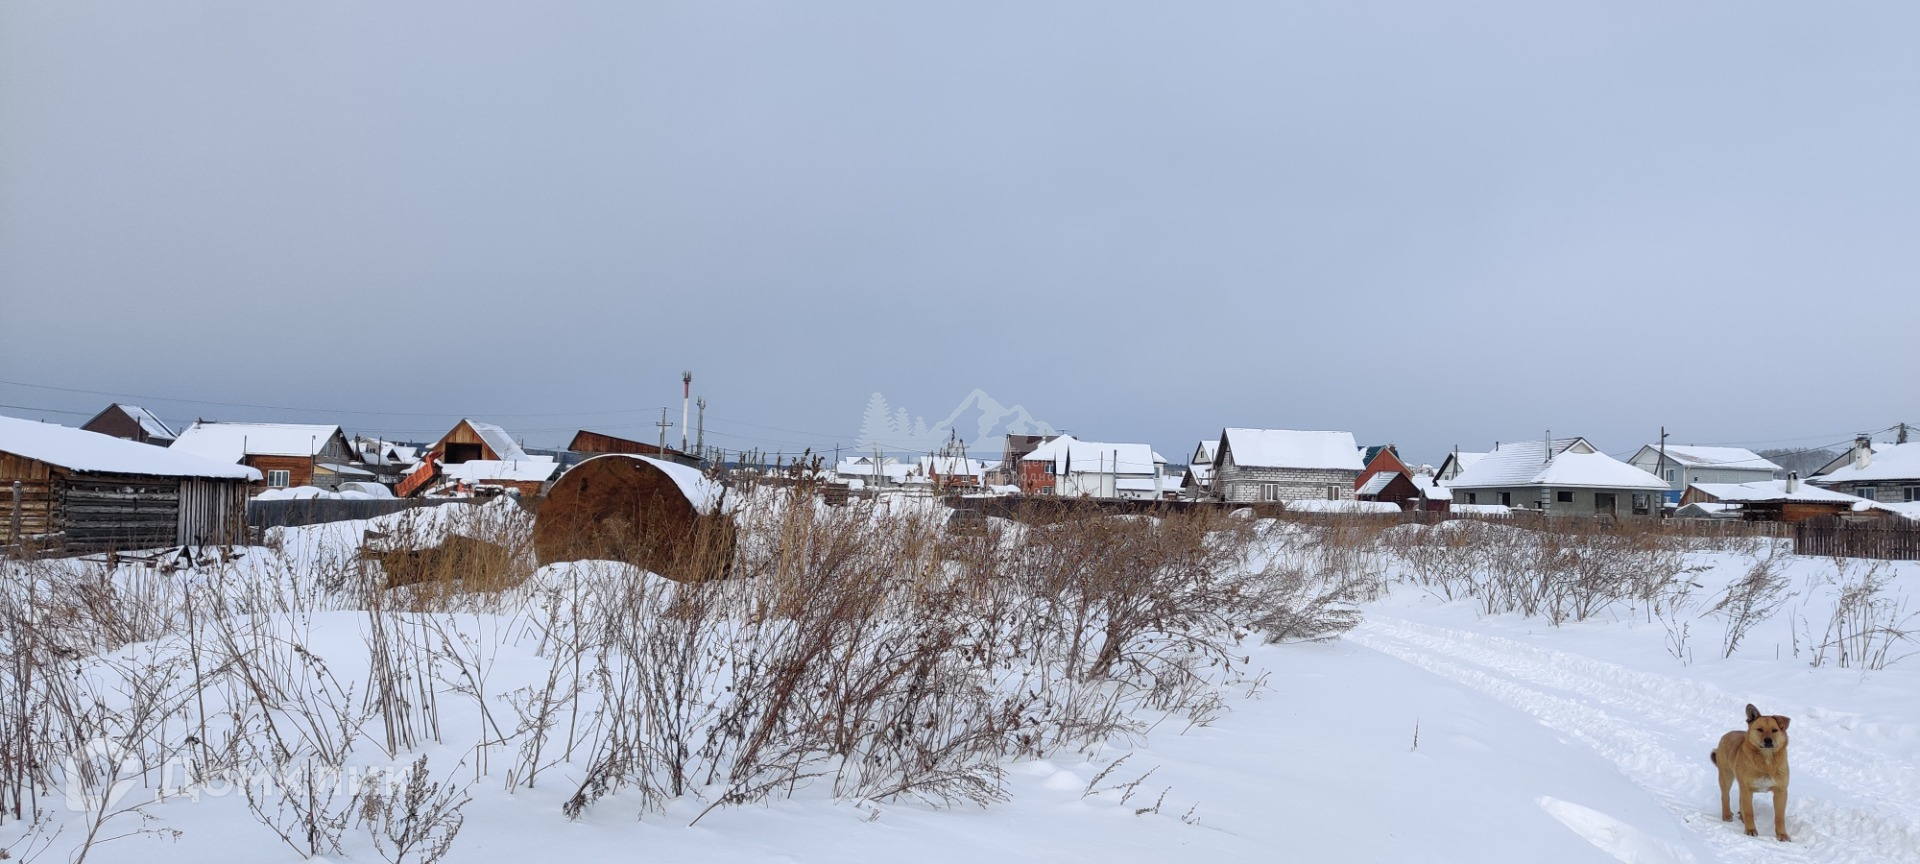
1431	732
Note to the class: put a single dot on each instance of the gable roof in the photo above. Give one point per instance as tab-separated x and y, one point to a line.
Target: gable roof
1067	453
1377	483
231	442
1700	456
497	440
1568	462
1889	462
1289	448
80	450
148	422
1205	452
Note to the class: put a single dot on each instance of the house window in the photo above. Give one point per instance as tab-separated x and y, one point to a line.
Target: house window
1473	497
1506	499
1669	475
279	479
1867	492
1603	502
1269	491
1333	493
1563	496
1642	504
1913	493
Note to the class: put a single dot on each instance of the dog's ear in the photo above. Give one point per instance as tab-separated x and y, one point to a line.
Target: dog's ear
1783	722
1752	713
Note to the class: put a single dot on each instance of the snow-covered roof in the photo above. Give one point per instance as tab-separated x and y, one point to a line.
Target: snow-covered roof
1067	453
149	423
1288	448
1204	452
230	442
1431	487
1888	462
1772	490
1909	509
1377	483
1707	510
1701	456
1200	472
501	443
537	469
1573	463
1322	505
80	450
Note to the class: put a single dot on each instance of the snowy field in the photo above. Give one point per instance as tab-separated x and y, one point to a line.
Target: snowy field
1434	730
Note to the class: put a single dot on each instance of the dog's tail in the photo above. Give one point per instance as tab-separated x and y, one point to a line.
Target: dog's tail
1713	756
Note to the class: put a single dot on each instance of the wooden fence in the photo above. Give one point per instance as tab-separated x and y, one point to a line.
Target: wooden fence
1833	537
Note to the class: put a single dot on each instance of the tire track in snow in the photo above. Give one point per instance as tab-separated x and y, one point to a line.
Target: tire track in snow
1649	726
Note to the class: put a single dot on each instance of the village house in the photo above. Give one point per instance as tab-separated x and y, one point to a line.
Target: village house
1568	476
1385	477
1251	465
83	491
286	454
1456	462
1888	473
1786	500
1196	481
873	472
487	457
1682	465
131	423
1070	468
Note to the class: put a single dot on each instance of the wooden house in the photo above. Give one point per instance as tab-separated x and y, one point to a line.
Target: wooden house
1253	465
497	461
287	455
78	491
1786	500
1385	478
132	423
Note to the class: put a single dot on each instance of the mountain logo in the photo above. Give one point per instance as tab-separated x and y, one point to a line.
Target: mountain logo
977	418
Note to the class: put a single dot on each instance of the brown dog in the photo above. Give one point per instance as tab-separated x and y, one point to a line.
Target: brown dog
1758	759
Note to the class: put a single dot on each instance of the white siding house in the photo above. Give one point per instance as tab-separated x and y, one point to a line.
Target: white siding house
1687	464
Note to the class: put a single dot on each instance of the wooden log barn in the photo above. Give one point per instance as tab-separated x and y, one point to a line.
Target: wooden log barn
66	490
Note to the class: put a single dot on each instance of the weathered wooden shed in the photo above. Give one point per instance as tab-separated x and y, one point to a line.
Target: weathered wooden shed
648	512
70	490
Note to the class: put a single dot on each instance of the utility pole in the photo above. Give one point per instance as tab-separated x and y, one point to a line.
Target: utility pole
1662	473
663	424
1903	434
686	391
700	442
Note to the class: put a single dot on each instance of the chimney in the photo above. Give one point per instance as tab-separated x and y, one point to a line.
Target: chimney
1862	451
1793	482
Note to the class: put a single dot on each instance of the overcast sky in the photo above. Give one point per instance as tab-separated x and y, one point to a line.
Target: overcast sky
1427	223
